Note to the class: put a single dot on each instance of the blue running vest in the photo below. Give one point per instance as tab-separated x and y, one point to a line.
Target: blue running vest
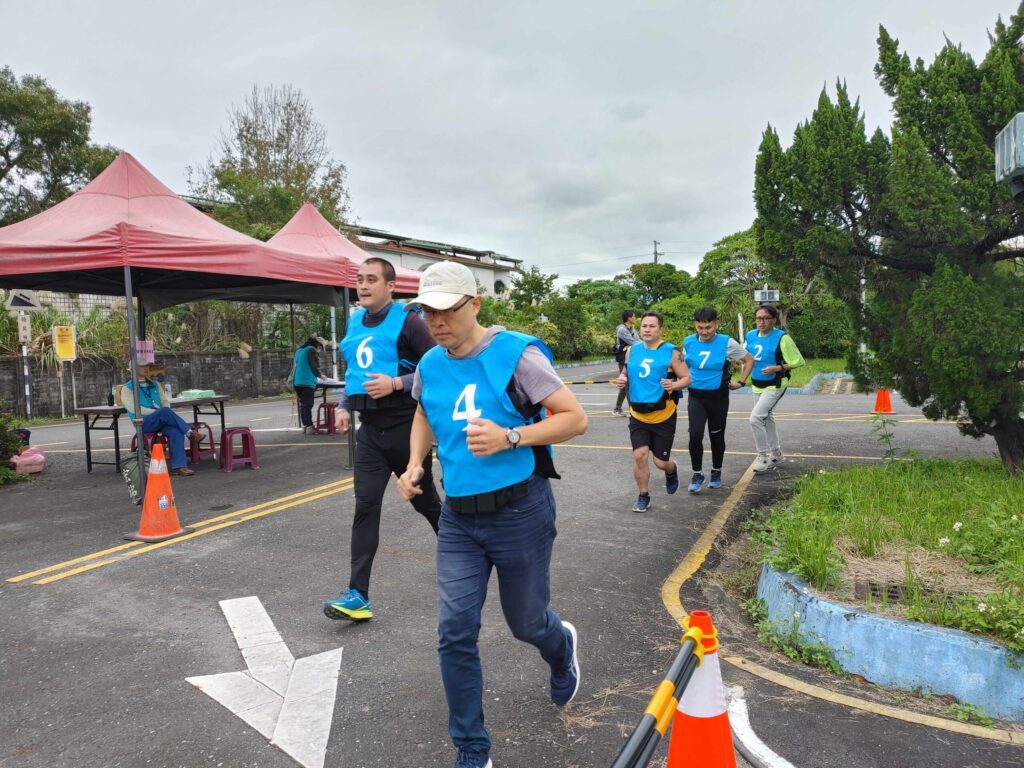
457	389
765	351
149	397
371	350
707	362
645	370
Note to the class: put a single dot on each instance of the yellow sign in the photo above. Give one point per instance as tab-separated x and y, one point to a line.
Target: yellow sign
64	342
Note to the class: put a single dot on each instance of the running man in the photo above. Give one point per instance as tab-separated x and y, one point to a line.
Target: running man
480	391
655	375
382	346
710	356
775	355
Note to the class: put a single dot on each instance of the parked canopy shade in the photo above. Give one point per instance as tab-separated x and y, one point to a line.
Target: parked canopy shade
127	217
309	233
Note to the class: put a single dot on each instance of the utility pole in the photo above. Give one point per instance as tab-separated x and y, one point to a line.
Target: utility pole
656	254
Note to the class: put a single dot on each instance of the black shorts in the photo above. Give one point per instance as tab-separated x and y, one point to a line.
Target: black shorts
658	437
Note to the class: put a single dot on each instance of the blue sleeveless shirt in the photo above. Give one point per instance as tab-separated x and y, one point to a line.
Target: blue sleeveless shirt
707	362
457	389
765	351
371	350
645	370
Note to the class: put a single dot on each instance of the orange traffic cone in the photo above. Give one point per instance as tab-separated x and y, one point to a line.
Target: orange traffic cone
700	728
883	403
159	514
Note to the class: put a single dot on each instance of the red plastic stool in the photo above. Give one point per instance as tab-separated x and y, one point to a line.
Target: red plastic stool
228	457
150	438
199	448
325	414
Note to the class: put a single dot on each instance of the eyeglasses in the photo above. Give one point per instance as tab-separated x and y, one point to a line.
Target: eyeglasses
430	312
765	318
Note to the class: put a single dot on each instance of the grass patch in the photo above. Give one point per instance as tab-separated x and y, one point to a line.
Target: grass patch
802	376
947	535
968	713
788	640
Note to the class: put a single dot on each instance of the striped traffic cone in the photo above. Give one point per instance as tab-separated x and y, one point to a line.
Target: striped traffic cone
159	519
700	728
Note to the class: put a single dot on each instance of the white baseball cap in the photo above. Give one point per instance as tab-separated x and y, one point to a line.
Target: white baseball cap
443	285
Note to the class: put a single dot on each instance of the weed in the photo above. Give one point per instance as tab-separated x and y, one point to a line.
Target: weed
969	713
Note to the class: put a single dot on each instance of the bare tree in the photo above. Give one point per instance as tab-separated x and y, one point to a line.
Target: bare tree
273	142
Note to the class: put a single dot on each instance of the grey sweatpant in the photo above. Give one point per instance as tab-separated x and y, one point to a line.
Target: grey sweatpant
762	420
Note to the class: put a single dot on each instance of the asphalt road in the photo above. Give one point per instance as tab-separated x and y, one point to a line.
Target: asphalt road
95	649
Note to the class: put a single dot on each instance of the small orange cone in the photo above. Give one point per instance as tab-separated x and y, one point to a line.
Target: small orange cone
700	728
159	514
883	403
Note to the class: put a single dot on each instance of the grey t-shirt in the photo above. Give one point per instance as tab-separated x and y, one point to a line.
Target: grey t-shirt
626	336
534	378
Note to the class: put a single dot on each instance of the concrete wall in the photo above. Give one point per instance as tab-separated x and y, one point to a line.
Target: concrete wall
264	373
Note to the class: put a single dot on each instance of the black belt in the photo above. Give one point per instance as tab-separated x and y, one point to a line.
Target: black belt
490	502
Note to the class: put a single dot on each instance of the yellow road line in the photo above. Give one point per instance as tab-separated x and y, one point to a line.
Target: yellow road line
917	718
209	521
695	557
66	563
736	453
693	560
187	536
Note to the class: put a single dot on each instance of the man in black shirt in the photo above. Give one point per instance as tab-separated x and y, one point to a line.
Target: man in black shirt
382	346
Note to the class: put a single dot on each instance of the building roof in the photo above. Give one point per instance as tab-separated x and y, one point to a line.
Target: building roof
365	237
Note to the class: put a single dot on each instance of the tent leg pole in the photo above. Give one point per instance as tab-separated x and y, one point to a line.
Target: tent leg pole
140	441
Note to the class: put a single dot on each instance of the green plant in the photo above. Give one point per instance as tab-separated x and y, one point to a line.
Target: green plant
969	713
789	642
969	510
882	430
10	444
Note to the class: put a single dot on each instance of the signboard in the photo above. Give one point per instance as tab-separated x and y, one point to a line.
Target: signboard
144	352
24	329
22	300
64	345
766	296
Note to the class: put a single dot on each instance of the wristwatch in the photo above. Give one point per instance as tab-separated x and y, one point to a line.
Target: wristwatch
513	437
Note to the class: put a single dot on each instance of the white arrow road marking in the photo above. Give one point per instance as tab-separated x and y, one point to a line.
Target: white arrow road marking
289	701
755	750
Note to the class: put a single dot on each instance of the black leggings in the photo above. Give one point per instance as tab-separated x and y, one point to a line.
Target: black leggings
713	412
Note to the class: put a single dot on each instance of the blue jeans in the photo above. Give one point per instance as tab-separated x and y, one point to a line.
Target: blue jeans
168	423
516	541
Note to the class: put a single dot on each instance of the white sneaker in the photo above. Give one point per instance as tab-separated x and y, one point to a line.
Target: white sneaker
777	457
762	463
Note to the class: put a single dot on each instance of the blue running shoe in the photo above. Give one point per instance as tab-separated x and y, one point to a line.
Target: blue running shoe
467	759
672	481
696	482
716	479
643	502
565	682
352	605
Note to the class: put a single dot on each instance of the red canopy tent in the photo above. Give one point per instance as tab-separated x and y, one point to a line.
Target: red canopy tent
309	233
126	233
127	218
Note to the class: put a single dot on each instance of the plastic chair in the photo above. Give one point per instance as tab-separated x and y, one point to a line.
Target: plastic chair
325	414
150	438
204	447
247	443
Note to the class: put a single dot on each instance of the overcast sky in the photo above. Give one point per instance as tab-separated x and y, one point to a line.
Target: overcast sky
567	134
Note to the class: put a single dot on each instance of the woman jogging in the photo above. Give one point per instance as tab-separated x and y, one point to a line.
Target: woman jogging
775	355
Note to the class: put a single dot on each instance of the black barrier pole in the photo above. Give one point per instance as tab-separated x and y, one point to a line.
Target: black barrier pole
646	736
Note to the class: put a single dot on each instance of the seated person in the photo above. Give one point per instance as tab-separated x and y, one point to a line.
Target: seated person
158	417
